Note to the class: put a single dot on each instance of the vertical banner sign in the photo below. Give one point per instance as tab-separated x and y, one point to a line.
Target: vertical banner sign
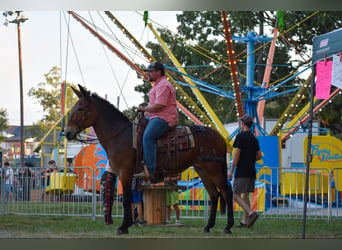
323	79
336	78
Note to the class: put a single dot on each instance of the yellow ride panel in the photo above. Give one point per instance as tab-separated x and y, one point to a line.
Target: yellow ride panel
293	183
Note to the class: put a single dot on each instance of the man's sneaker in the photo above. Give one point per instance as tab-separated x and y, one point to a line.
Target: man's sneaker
168	222
178	222
242	225
251	219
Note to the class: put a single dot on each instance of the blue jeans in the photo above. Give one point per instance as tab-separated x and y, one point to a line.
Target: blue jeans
154	129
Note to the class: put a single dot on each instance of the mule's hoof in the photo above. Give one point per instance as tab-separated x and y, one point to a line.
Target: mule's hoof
227	231
121	231
206	230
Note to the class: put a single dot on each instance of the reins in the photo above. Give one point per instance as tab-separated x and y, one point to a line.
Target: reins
89	141
107	139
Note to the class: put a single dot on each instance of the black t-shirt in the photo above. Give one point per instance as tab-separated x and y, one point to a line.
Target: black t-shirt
249	146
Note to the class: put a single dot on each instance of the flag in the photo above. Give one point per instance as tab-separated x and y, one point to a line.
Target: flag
145	17
280	15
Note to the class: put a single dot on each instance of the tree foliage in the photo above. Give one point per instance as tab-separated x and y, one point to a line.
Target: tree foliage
48	94
3	122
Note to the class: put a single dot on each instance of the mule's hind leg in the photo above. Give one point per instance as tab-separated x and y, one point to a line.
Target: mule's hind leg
227	194
213	194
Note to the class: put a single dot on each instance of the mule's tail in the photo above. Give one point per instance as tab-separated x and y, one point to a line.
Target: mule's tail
223	203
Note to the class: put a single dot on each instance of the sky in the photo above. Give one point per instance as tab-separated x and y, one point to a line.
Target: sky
83	59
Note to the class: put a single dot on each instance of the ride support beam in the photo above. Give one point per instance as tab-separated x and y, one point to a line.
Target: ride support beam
233	65
291	131
267	74
189	114
129	35
291	109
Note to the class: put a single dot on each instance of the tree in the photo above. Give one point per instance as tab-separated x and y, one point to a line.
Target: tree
3	122
48	94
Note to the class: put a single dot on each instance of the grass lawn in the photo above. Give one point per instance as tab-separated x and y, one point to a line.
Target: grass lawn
83	227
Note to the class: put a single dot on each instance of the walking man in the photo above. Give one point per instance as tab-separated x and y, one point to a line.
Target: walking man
247	152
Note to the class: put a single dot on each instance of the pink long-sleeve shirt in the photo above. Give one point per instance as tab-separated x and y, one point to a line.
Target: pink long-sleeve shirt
163	93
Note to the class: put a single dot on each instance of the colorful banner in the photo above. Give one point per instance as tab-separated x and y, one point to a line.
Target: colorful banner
323	79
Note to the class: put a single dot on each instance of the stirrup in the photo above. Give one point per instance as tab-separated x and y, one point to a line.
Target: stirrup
143	174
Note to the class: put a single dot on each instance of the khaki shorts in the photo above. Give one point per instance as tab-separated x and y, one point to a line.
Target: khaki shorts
172	198
243	185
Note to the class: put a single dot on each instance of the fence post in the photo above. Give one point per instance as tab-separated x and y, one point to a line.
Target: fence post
2	194
330	179
93	200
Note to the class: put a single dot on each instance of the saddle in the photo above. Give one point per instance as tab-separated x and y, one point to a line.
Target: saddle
178	138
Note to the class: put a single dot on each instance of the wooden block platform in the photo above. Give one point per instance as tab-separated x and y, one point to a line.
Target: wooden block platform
154	197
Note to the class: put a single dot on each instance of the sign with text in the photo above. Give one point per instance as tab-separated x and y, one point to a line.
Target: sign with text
326	45
326	152
336	76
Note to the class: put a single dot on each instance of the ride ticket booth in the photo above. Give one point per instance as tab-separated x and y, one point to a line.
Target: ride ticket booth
154	198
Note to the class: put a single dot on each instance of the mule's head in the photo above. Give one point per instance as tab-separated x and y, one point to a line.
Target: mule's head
82	114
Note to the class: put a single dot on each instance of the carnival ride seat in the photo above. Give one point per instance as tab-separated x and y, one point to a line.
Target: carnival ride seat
63	183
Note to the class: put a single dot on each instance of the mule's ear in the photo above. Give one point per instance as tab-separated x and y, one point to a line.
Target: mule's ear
78	93
84	92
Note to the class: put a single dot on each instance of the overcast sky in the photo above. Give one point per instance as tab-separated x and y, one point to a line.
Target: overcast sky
45	45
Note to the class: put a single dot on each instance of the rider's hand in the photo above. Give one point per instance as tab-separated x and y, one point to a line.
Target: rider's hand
141	108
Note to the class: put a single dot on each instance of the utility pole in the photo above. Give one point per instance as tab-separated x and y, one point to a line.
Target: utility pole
19	19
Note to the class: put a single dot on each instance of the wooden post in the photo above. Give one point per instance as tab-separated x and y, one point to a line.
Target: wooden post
154	198
154	204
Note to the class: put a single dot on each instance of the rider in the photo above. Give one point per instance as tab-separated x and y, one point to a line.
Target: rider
161	113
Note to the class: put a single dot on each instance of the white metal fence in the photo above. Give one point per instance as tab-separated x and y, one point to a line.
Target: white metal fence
279	194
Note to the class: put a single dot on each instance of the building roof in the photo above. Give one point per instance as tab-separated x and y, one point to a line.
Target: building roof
15	131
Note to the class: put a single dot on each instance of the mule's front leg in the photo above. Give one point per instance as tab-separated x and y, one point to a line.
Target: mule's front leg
212	214
127	203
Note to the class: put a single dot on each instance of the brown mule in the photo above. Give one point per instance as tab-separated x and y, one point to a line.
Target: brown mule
114	132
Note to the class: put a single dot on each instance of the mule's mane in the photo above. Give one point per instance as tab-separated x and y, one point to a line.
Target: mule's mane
109	108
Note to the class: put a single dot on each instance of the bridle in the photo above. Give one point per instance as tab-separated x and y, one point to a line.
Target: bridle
79	128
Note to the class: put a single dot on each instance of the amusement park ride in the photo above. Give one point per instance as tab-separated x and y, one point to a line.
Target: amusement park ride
248	98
